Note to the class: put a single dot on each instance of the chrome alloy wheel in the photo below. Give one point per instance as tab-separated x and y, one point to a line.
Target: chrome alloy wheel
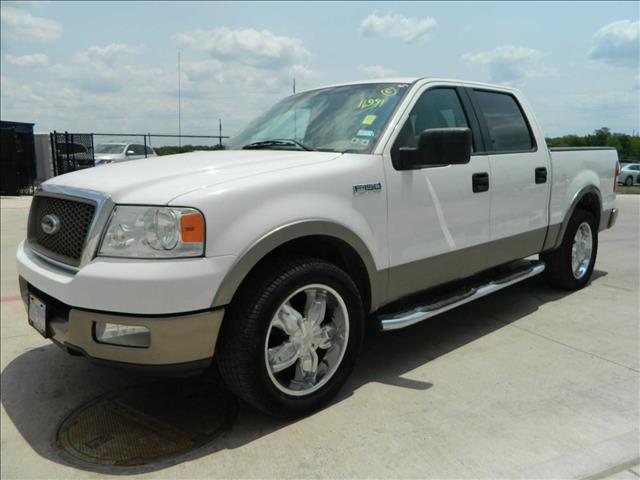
306	340
581	251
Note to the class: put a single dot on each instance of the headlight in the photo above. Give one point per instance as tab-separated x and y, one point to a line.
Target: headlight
153	232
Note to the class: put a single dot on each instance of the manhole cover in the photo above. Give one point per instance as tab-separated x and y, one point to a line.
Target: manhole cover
145	424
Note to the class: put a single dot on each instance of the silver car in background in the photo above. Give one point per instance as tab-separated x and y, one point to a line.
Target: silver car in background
106	153
629	174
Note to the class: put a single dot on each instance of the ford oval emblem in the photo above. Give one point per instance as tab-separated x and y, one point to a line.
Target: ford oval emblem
50	224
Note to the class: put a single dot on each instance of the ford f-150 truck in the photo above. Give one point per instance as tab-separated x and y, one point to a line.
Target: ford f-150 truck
339	206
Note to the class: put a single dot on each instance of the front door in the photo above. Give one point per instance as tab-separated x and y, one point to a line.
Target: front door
436	221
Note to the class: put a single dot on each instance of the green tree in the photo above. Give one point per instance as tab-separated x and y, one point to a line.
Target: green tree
628	146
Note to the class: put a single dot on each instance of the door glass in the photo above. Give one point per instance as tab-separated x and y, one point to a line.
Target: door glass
137	149
508	129
436	108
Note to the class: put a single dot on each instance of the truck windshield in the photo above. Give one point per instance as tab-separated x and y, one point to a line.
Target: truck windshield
347	118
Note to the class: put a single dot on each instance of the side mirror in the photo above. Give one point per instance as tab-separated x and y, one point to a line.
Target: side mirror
130	152
436	147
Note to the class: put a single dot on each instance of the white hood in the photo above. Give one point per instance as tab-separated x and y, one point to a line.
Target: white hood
158	180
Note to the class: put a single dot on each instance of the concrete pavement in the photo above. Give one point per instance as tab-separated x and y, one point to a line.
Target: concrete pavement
529	382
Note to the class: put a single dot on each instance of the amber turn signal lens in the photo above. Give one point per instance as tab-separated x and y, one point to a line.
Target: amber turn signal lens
192	228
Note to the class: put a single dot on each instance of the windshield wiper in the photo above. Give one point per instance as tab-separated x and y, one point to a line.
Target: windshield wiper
278	142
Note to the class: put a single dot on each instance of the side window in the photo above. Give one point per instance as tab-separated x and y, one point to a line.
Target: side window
436	108
508	129
137	149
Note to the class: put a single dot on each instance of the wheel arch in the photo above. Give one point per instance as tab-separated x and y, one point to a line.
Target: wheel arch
588	198
321	239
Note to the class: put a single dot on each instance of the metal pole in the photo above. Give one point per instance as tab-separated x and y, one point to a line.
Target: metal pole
220	131
179	106
93	155
145	145
54	159
66	153
73	153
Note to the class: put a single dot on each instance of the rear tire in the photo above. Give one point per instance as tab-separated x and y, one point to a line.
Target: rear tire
570	266
287	310
628	181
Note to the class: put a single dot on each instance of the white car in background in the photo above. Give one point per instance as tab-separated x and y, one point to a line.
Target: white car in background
105	153
629	174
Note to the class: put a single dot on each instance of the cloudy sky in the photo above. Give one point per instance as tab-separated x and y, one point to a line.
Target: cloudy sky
113	66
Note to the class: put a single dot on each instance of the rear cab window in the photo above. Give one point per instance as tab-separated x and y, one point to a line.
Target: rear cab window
506	124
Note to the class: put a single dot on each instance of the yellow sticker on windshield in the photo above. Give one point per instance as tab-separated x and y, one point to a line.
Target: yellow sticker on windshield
368	120
389	92
370	103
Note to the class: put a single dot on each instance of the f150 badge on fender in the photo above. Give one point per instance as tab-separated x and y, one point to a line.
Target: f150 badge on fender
367	188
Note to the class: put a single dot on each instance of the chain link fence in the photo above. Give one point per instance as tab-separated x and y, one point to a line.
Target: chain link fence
76	151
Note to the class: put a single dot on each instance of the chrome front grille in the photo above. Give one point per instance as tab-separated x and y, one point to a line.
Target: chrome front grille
74	218
71	241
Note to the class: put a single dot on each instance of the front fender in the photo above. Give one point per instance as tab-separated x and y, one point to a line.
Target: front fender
285	233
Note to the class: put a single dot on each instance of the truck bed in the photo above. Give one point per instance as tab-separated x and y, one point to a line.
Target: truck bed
574	168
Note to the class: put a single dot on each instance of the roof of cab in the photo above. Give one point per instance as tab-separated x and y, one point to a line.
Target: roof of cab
411	80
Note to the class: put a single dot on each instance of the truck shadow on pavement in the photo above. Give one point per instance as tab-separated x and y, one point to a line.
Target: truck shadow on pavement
42	386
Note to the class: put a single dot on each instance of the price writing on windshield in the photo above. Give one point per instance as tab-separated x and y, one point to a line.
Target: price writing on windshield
370	103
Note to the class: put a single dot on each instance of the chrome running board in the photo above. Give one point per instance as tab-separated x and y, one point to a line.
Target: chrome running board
399	320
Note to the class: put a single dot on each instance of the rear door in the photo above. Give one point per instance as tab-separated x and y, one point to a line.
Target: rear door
520	176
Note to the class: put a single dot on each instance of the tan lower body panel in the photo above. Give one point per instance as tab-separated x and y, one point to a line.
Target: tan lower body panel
174	340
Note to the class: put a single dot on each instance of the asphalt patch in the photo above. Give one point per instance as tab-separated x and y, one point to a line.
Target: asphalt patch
146	424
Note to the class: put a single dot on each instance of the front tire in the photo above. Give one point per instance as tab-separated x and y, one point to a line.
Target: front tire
570	266
291	336
628	181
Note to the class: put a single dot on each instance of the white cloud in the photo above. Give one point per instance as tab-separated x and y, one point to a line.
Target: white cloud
617	44
35	60
247	45
302	72
108	53
89	92
510	64
376	71
408	29
102	69
19	25
585	111
595	101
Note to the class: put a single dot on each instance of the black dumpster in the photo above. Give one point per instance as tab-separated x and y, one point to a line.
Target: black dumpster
17	158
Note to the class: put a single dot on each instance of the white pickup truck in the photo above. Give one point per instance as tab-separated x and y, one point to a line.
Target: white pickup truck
339	206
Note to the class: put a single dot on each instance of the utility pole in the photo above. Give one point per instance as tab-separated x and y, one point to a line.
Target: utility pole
179	106
295	114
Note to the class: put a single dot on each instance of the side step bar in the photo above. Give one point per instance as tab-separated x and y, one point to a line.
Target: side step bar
399	320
